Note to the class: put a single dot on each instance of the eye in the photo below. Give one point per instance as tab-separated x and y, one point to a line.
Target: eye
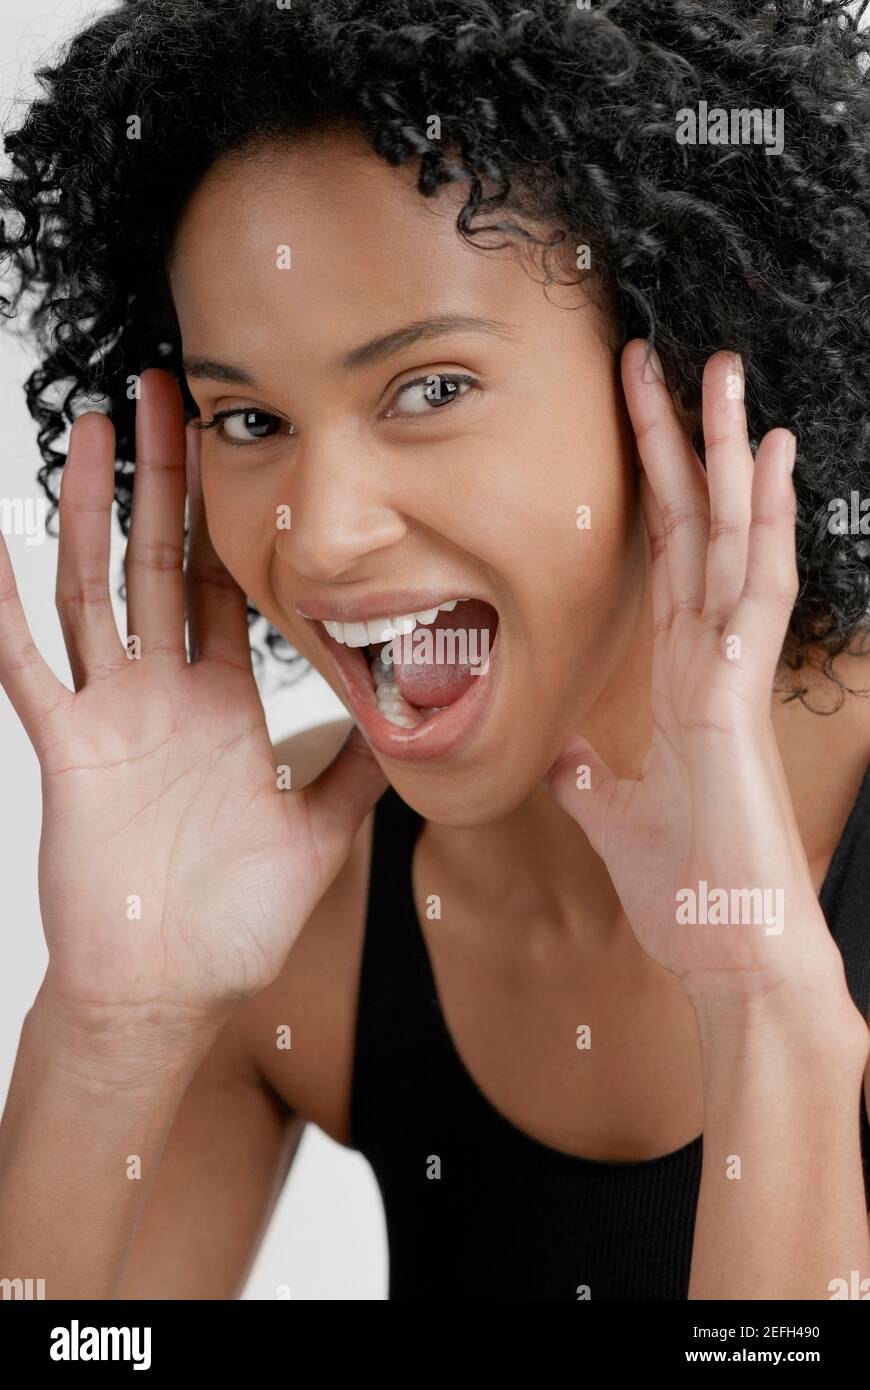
426	394
243	425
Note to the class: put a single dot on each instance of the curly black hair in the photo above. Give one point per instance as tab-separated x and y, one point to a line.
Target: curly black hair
550	107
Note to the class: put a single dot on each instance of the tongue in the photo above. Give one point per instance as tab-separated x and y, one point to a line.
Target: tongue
433	672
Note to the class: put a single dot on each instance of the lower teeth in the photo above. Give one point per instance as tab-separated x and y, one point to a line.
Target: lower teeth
391	703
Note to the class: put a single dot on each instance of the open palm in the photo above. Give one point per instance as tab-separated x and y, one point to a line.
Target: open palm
711	806
174	870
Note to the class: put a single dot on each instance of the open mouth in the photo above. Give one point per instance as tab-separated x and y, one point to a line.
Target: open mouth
417	685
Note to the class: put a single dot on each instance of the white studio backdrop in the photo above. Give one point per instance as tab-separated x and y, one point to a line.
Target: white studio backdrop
327	1237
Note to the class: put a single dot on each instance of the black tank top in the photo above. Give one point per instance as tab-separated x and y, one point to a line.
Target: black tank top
510	1217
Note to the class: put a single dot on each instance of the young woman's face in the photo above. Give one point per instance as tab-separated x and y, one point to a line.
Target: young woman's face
280	269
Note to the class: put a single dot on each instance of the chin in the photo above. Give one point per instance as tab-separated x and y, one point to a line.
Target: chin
490	789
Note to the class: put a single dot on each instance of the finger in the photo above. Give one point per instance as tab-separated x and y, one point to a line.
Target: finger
675	474
82	596
764	609
340	798
155	550
584	786
662	607
729	480
217	624
34	690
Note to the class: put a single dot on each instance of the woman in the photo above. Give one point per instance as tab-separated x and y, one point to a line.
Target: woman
441	329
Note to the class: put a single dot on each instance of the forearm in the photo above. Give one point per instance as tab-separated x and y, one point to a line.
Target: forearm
782	1208
80	1140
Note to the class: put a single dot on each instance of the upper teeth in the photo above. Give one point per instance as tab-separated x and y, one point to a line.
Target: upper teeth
383	629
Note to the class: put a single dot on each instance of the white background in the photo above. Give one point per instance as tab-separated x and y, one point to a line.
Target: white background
327	1238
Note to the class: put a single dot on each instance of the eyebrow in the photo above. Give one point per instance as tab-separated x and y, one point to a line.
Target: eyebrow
380	349
368	354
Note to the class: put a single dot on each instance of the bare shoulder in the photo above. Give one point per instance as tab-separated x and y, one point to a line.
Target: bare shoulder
313	1000
824	742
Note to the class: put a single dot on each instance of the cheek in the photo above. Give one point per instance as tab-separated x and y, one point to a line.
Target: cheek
592	510
240	527
558	509
570	538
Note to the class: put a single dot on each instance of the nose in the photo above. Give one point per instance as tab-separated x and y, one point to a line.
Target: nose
339	510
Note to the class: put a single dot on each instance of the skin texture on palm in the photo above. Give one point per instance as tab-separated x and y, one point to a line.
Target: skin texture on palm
712	802
160	767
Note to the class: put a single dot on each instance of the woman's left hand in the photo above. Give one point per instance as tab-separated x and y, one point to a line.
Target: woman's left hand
711	809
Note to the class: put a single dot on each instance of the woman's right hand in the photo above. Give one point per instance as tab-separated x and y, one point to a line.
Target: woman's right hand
174	875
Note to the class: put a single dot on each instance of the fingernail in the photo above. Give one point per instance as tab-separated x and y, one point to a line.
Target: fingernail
790	453
655	361
735	381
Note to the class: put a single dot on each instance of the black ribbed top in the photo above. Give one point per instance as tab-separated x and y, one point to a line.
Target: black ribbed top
509	1216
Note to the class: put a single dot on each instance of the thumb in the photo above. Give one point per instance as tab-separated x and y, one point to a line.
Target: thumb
341	797
584	786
